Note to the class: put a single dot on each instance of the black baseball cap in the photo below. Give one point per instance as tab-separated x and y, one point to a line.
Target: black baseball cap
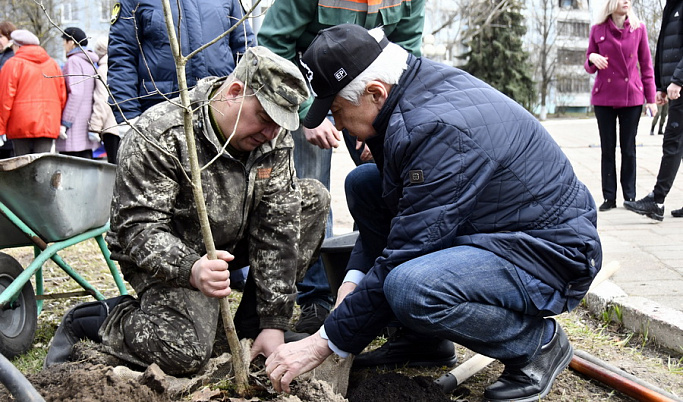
336	56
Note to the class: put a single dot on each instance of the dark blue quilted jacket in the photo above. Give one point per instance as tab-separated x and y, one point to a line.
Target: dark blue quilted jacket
141	65
493	179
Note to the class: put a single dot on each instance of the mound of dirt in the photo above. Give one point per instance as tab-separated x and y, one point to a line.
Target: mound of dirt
80	381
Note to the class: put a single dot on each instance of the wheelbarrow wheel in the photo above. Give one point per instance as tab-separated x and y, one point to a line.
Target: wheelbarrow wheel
18	320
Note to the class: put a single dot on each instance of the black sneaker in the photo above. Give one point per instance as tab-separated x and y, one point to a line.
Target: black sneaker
408	349
607	205
533	381
677	213
646	206
312	318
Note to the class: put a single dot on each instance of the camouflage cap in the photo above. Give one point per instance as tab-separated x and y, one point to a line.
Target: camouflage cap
277	83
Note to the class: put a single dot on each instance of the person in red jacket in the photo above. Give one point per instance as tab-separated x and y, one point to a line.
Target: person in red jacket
32	96
618	50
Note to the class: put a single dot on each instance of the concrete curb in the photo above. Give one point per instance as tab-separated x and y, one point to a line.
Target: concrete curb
653	321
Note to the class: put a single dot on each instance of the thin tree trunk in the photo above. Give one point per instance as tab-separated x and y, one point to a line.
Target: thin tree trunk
241	366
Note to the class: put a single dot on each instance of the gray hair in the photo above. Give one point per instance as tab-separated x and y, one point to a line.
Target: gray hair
387	67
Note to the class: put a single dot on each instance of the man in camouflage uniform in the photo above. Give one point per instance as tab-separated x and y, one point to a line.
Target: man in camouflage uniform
261	215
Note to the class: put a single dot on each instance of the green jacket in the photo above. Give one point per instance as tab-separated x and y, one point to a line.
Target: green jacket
291	25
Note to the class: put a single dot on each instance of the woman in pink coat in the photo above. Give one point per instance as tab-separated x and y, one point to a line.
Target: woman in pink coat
79	73
618	50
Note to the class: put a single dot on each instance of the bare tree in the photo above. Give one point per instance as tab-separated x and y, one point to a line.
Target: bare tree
34	16
455	22
543	52
39	12
650	13
240	358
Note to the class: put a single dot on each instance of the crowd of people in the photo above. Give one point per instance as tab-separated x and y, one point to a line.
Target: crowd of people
435	148
626	83
31	80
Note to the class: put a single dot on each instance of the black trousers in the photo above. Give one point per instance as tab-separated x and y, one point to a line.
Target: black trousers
672	151
628	128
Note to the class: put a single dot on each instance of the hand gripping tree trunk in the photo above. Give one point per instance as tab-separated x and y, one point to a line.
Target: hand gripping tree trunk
240	364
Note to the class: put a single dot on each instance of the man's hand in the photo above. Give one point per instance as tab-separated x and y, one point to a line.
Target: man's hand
212	277
267	341
673	91
344	290
291	359
660	98
366	155
324	136
652	108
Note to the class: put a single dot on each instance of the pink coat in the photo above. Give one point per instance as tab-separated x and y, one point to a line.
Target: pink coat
79	74
621	84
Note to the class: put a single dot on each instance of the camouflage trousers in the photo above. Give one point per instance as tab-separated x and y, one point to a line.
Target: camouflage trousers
176	327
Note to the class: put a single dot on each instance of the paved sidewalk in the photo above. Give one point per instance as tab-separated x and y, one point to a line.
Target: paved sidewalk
647	289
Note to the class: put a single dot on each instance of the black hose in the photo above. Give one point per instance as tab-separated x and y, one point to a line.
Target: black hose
16	383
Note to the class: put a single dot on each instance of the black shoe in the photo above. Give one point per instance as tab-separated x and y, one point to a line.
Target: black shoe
408	349
677	213
80	322
660	133
533	381
646	206
607	205
652	132
312	318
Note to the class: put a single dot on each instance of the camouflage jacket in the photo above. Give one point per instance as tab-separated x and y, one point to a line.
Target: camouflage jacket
155	232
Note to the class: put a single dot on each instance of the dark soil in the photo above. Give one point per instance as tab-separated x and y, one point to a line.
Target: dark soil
82	381
396	387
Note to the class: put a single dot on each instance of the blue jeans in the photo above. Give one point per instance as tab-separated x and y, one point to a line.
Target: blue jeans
469	296
465	294
313	162
363	187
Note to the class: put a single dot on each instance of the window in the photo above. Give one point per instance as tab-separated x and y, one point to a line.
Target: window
571	57
573	84
68	11
105	10
573	28
574	4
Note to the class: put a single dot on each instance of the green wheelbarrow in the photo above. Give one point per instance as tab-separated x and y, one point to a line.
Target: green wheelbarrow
50	202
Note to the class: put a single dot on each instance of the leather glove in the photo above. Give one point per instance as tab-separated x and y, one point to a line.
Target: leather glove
62	133
93	136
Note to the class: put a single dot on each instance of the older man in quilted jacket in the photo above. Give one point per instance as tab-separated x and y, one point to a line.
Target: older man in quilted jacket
473	226
260	214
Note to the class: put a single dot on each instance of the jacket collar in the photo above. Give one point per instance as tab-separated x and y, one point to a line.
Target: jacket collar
615	29
376	143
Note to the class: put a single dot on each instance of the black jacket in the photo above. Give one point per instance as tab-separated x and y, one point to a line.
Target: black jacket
669	56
